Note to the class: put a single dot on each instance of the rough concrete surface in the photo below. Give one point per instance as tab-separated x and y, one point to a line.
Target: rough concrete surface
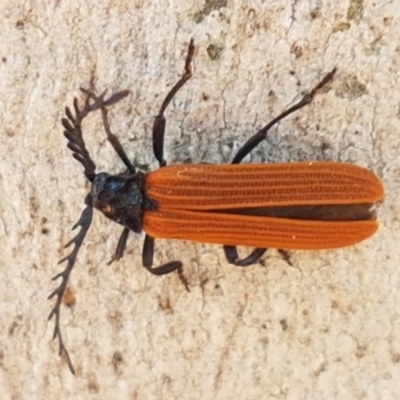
325	327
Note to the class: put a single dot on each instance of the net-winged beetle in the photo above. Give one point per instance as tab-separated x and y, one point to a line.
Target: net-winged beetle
299	205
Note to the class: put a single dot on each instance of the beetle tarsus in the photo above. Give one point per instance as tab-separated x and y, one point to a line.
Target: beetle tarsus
286	256
232	256
183	278
328	77
165	269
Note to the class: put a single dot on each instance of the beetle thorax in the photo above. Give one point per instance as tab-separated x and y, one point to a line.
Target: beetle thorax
119	197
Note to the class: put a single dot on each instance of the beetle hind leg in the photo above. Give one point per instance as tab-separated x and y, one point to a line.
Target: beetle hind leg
232	256
285	255
231	253
257	138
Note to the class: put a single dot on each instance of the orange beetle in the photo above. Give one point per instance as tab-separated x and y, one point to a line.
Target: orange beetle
301	205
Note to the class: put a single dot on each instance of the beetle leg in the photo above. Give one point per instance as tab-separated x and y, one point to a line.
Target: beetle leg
119	251
115	143
285	255
171	266
231	251
159	120
84	222
256	139
158	149
232	256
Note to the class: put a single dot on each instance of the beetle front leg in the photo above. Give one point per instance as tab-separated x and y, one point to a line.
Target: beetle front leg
119	251
114	141
159	120
171	266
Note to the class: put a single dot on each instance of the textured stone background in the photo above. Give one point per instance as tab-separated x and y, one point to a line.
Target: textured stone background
327	327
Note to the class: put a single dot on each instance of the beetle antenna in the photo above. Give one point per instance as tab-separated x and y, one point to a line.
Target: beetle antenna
84	222
73	131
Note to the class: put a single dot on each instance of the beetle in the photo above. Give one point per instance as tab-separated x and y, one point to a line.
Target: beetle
298	205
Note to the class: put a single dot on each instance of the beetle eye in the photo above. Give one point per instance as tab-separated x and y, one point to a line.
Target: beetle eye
106	209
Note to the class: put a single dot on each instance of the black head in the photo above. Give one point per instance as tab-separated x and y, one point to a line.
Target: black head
119	197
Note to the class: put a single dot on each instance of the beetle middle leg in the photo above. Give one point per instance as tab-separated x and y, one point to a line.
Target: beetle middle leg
171	266
231	253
